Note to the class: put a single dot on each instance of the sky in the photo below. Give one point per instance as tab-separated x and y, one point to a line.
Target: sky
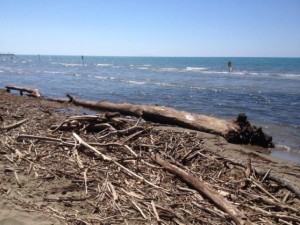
190	28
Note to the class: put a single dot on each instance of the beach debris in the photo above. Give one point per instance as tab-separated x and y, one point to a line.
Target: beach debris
108	168
237	216
31	92
239	131
12	126
249	134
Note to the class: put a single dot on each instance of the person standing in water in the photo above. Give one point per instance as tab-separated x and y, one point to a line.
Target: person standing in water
82	60
229	64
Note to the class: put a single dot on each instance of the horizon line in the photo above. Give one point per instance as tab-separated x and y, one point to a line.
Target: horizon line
158	56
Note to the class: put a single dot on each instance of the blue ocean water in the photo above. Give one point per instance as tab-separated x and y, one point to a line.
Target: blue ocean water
266	89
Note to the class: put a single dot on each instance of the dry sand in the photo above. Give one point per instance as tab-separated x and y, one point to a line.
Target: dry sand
15	197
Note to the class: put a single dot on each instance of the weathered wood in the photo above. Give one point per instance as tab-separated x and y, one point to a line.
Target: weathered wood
238	131
60	100
14	125
31	92
237	216
282	183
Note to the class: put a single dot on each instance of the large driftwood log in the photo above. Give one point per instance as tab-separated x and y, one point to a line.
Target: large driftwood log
31	92
237	131
237	216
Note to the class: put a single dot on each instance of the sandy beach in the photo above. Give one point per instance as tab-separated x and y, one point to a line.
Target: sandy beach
48	176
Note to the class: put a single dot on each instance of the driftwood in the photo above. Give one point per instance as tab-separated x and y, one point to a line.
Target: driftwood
130	188
238	131
60	100
14	125
282	183
31	92
237	216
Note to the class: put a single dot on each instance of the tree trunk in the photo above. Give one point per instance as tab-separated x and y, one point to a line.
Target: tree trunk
237	131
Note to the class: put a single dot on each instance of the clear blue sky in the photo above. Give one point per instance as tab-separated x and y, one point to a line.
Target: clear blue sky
151	27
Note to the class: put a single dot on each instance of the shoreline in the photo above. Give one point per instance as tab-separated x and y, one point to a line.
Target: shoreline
200	86
39	189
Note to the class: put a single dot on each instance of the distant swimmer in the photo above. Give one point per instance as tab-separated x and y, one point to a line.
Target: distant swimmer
82	60
229	64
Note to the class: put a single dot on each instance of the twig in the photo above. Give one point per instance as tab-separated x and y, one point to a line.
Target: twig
139	177
155	211
107	158
283	183
267	173
136	155
263	189
213	212
85	180
112	191
9	127
26	136
17	178
139	209
81	142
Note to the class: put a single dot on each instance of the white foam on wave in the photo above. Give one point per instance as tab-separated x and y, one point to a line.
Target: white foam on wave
237	73
143	68
283	147
288	75
104	64
165	84
53	72
104	78
71	64
147	82
101	78
179	86
195	68
67	64
216	72
135	82
169	69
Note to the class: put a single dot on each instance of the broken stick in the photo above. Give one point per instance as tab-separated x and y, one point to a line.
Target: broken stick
237	216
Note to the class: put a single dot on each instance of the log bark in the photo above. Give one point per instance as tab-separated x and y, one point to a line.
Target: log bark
60	100
237	131
31	92
237	216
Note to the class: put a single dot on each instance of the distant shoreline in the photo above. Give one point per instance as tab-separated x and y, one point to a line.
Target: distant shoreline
7	54
137	56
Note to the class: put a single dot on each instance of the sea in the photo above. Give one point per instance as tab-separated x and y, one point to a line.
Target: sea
266	89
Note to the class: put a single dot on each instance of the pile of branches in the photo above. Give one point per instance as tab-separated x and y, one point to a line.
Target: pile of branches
108	169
